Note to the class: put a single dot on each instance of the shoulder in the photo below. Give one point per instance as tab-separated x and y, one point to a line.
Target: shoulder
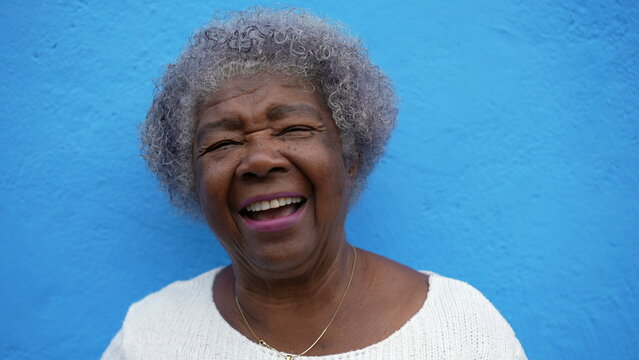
458	300
175	295
160	322
465	316
177	301
458	294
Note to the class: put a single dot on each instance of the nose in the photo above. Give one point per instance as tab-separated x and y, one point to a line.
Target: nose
262	158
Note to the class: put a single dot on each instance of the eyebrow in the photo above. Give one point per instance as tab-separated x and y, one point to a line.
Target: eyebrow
281	111
275	113
231	123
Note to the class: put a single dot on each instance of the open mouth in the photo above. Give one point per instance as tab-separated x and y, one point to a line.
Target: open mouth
272	209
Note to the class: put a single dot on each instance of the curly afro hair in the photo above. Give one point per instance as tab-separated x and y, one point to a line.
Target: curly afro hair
289	41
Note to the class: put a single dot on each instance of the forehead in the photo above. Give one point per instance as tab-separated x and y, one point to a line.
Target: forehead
261	89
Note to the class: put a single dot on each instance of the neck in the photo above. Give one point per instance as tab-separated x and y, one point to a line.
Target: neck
314	300
321	281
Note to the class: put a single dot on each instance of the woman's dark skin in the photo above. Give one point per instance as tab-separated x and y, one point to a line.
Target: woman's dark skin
270	134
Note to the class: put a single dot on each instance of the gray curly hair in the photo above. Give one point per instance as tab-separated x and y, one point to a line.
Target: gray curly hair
288	41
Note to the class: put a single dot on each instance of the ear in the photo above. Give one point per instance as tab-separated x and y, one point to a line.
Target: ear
353	170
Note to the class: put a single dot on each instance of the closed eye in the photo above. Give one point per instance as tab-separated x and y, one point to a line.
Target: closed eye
296	129
220	145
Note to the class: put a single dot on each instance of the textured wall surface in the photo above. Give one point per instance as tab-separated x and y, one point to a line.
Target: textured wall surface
515	165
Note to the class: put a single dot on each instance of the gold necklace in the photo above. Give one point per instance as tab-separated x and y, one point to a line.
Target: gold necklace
292	356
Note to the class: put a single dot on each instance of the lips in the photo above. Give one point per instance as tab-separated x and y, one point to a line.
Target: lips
274	212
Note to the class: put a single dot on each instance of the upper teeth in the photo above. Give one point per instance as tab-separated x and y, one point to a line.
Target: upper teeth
272	204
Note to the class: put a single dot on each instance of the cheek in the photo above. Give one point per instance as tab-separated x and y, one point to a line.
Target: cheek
212	187
326	172
209	184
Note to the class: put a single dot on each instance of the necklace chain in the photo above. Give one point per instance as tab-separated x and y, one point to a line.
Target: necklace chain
291	356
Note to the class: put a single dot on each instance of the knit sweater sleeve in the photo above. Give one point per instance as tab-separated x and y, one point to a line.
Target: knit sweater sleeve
520	354
115	351
473	323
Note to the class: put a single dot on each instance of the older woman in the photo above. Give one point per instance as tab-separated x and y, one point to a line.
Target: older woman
267	127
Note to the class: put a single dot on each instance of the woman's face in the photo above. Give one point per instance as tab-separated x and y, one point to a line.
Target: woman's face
269	172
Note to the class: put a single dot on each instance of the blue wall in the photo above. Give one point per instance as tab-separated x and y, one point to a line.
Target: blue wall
515	165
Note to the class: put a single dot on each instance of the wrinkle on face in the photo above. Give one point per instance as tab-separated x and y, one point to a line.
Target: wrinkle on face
258	114
247	86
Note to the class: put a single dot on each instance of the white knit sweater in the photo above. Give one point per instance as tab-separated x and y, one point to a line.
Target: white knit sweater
182	322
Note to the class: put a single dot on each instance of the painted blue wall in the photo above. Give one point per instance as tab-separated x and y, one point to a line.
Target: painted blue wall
515	165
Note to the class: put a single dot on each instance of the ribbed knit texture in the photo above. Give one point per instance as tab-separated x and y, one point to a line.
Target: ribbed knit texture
182	322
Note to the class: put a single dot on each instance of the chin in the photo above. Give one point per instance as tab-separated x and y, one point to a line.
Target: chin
283	260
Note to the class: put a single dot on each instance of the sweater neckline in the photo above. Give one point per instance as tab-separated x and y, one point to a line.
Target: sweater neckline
244	341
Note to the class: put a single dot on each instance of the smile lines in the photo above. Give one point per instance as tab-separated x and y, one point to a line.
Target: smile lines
272	204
